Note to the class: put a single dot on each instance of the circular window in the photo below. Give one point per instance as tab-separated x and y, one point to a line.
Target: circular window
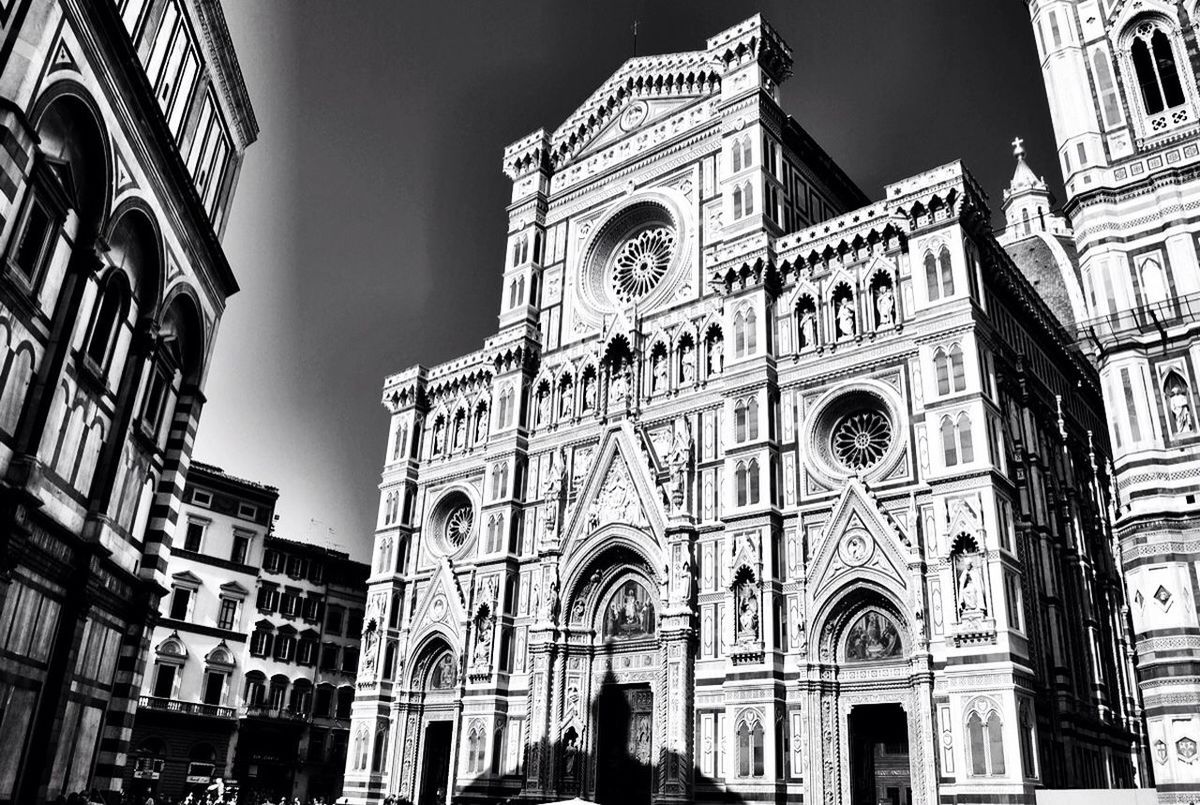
861	439
641	263
458	525
452	522
853	431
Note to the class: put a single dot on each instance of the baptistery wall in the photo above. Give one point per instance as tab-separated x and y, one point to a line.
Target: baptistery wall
760	491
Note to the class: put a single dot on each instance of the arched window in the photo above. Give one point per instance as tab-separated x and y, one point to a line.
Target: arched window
1157	74
520	291
739	335
985	739
747	156
739	421
110	310
748	195
752	419
966	445
1154	285
737	155
737	202
739	475
360	749
931	277
752	471
946	270
751	334
379	750
750	747
941	365
958	374
1028	754
475	741
1025	217
949	445
1109	104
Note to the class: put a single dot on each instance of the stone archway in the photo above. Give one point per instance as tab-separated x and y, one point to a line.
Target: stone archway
873	701
427	722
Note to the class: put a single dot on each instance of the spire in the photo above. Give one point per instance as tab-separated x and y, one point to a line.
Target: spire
1028	204
1023	178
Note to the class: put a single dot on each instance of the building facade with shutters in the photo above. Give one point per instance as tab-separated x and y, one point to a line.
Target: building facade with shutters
760	490
1129	149
185	730
123	125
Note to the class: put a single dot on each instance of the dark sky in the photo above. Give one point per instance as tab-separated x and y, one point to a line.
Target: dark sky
368	230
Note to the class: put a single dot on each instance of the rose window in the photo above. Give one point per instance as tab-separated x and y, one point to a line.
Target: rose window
458	525
861	439
642	262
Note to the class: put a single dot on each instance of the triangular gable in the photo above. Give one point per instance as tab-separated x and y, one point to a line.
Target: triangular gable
233	588
635	115
692	74
861	542
444	607
124	177
187	577
63	58
619	490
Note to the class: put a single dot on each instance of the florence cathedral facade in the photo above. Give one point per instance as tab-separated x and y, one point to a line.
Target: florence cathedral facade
764	491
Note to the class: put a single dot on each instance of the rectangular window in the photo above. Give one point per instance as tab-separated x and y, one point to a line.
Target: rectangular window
248	511
354	623
33	243
131	15
329	657
183	92
227	619
271	561
180	600
350	660
164	681
241	548
201	497
214	687
155	401
333	620
287	604
194	536
162	41
306	652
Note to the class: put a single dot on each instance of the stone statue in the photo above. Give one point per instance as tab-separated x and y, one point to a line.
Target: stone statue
543	407
845	318
658	377
553	489
370	652
716	357
459	433
1181	409
808	329
619	387
687	365
566	404
589	394
483	640
885	305
481	425
970	597
747	613
439	437
686	580
679	462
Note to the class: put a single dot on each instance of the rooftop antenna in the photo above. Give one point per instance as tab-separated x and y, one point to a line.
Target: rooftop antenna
635	25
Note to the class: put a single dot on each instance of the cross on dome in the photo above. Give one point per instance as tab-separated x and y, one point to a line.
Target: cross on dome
1018	145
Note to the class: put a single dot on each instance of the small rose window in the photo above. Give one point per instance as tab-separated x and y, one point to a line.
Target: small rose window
861	439
641	263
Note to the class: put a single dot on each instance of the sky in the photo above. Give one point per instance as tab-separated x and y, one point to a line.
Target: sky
367	231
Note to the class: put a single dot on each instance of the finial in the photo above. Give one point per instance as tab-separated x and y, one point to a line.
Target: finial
1018	147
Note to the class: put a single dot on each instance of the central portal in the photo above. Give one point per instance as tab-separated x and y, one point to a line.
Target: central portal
879	770
435	771
624	764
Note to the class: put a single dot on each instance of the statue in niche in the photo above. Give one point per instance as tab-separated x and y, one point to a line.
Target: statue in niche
481	424
553	489
439	437
589	394
1181	409
845	318
535	599
687	364
679	460
543	406
716	356
970	595
747	604
885	305
686	579
872	637
619	386
658	373
808	328
459	432
566	403
630	613
483	639
370	652
550	603
570	754
444	674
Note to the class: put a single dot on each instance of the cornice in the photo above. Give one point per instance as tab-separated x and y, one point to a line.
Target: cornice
223	61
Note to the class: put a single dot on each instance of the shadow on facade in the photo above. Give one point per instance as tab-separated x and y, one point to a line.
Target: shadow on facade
617	769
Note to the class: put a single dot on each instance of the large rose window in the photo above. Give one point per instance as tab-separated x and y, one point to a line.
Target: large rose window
861	439
458	525
641	263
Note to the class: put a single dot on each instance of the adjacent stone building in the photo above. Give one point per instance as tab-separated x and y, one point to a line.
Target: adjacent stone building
762	490
1122	80
122	129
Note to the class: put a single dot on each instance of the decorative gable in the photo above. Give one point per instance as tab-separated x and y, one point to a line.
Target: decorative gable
860	542
444	607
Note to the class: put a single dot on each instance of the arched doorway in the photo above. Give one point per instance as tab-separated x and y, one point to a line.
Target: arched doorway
875	709
434	687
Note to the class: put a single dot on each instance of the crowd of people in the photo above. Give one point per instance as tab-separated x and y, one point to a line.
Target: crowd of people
95	797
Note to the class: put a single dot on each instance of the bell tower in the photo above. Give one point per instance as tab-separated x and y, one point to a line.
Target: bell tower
1121	78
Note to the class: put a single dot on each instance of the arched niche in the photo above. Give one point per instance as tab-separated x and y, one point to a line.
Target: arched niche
73	140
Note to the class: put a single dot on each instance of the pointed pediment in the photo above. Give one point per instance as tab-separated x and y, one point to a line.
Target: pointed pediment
859	542
619	490
63	58
644	89
444	606
186	578
233	588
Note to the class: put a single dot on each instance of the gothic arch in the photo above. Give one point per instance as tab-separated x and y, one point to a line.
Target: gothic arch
607	543
434	644
842	608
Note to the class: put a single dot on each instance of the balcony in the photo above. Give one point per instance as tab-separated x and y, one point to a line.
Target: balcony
274	713
1151	319
186	708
